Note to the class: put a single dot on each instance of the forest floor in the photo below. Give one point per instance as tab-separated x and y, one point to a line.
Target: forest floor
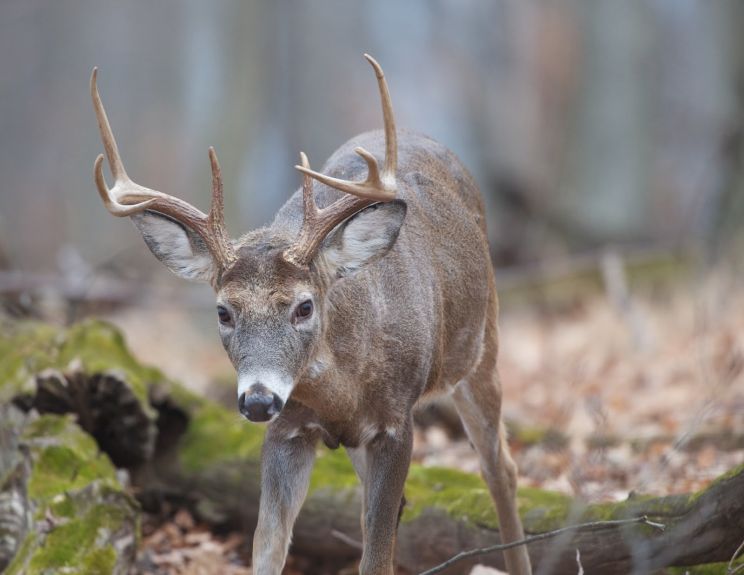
603	400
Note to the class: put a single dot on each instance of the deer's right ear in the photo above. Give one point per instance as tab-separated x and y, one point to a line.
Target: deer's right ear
181	250
363	238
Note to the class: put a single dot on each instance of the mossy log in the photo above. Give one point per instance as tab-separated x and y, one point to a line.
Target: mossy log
86	370
207	457
62	509
215	466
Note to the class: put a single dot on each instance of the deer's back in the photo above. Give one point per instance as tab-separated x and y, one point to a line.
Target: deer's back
418	313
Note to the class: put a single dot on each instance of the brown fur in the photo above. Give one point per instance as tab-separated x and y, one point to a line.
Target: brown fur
421	319
404	304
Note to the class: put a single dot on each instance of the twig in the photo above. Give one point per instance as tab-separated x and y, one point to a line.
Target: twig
578	562
348	540
643	519
730	569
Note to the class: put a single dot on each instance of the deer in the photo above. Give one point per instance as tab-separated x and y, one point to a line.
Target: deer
371	289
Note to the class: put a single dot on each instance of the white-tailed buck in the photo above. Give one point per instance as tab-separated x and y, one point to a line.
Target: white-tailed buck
371	288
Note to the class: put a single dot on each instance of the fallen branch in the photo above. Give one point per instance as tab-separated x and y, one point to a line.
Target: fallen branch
539	537
730	569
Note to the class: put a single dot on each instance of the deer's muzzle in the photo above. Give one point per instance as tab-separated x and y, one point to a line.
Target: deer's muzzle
259	404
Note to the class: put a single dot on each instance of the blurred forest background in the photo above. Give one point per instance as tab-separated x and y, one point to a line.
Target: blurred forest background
607	139
584	122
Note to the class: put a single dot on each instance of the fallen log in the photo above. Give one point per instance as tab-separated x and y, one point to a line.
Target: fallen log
62	509
207	458
215	466
87	370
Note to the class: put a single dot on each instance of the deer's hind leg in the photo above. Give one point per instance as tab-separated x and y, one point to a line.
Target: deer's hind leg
478	402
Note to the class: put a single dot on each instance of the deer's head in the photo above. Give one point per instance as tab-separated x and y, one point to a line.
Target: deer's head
271	288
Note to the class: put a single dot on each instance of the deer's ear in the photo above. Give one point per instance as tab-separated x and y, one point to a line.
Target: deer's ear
181	250
363	238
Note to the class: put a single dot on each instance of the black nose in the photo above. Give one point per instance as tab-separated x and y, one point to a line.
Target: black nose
259	406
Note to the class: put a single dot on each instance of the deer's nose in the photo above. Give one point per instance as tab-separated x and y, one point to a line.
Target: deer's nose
259	404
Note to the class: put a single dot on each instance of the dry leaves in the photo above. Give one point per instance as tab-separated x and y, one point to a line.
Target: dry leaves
181	547
664	416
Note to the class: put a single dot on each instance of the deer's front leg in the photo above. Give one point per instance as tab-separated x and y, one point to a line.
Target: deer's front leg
286	462
388	457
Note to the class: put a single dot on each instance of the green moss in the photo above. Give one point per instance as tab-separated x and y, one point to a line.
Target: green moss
465	496
22	556
543	510
60	469
66	458
333	470
62	505
27	348
730	474
64	545
460	495
101	348
181	397
74	493
215	434
100	561
73	543
48	426
709	569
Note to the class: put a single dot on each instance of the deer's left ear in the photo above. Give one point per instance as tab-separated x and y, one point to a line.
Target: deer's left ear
362	239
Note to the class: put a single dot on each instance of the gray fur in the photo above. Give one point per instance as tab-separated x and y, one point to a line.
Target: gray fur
182	251
404	306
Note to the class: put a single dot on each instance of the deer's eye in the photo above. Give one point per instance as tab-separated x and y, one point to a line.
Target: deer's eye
224	315
304	310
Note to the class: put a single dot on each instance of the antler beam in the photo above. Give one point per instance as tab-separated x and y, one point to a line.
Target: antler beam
127	198
380	186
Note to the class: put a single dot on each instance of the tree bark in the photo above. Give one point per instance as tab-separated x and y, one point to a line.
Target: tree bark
86	370
62	508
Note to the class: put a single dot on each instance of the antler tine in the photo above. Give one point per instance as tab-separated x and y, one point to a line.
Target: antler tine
121	179
379	186
127	198
109	143
391	139
317	224
308	200
216	218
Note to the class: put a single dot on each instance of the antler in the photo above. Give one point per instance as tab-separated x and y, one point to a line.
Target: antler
380	186
127	198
